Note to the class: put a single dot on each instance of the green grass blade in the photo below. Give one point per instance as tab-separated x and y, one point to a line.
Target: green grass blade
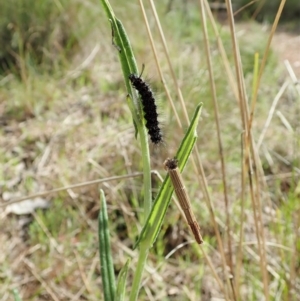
128	64
127	48
16	295
153	224
121	40
120	293
107	268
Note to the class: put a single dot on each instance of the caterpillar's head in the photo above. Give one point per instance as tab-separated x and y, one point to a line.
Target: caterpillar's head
132	77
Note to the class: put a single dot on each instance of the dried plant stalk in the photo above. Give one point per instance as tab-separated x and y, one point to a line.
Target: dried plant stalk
184	201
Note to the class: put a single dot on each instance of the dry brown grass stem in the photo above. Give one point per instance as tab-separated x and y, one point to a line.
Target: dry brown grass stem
244	7
166	51
202	180
79	294
292	75
250	149
256	208
225	60
256	195
287	125
238	92
263	63
295	256
158	65
258	8
35	273
82	273
239	255
153	271
79	185
52	241
254	149
214	273
238	67
211	266
271	113
253	253
199	166
272	244
220	144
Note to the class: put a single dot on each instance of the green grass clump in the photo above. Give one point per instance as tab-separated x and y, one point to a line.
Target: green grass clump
73	125
39	33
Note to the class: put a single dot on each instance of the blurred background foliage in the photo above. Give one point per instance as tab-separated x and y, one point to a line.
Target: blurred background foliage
47	32
265	10
40	33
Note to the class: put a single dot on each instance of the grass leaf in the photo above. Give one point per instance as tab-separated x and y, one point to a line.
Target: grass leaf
122	42
128	63
107	268
120	293
153	224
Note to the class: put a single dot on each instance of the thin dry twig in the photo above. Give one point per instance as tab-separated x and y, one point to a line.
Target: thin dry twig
247	124
239	256
209	262
158	65
292	75
166	51
196	161
264	61
52	241
217	121
79	185
35	273
293	266
82	273
271	113
221	47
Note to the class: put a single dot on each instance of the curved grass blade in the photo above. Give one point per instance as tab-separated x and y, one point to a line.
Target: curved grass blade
153	224
120	293
128	63
122	42
107	268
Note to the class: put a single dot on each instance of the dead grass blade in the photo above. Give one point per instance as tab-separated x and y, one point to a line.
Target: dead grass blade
218	128
239	255
251	151
197	164
36	274
158	64
79	185
292	76
271	113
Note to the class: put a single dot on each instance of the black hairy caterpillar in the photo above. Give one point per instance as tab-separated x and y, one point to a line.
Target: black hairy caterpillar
149	107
